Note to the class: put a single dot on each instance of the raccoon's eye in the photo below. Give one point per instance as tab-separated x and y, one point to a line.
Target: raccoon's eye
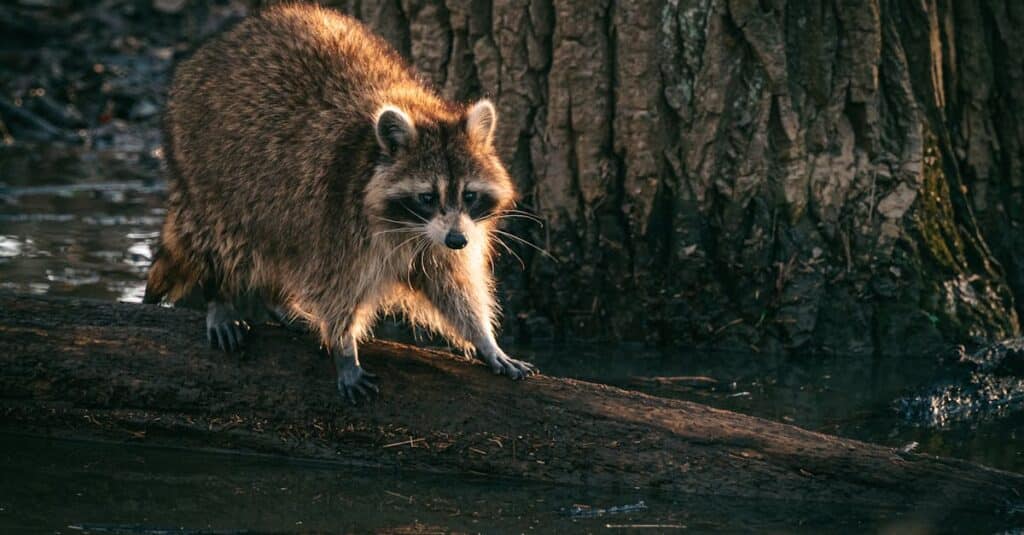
468	196
426	198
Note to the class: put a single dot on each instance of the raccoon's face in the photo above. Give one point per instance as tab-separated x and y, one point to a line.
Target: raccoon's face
441	183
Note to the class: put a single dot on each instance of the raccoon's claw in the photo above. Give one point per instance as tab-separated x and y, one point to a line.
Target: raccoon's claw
354	382
228	336
502	364
225	328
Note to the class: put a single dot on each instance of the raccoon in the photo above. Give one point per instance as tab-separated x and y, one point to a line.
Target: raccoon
310	164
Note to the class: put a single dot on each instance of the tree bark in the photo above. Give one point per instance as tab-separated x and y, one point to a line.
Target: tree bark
835	176
78	368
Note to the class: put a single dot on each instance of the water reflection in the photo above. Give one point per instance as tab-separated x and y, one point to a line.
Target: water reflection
10	246
87	238
132	293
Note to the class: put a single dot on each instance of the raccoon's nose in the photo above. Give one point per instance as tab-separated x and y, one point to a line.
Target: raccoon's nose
455	240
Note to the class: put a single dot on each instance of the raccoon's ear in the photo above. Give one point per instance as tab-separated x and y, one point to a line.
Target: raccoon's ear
395	130
481	118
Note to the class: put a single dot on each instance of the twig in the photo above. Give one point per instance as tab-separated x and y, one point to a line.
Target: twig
409	442
400	496
727	325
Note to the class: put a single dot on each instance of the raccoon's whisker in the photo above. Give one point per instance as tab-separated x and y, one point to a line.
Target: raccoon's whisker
413	256
398	230
503	216
525	242
538	220
407	209
510	251
397	222
427	244
417	247
520	212
419	253
399	247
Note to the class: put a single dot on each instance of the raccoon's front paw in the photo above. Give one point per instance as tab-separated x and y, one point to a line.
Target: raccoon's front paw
354	381
502	364
225	327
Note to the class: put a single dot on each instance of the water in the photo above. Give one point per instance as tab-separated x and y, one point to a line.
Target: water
840	395
85	225
77	225
69	487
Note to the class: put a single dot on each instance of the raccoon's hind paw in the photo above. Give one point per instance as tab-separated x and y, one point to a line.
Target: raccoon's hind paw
502	364
225	328
354	382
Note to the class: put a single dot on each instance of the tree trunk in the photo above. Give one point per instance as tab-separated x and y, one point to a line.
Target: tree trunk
771	174
133	372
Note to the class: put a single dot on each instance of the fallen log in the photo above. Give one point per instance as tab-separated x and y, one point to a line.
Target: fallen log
82	368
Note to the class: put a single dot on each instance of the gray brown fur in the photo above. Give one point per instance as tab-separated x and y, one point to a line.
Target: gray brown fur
294	142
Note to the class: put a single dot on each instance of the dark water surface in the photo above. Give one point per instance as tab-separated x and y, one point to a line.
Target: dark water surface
70	487
86	227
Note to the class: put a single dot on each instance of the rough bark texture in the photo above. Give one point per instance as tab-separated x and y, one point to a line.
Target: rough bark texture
776	174
98	369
